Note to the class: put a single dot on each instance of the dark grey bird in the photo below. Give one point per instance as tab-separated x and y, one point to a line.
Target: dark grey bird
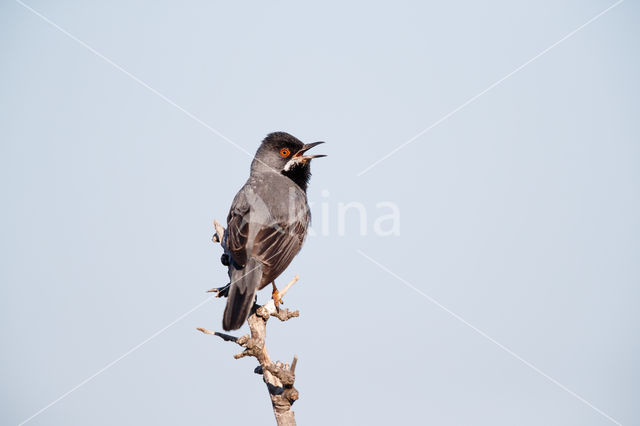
267	223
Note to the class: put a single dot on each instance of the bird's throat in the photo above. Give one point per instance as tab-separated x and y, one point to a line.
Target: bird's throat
300	174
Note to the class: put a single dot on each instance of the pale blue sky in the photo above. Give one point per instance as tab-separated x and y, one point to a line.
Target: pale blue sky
519	213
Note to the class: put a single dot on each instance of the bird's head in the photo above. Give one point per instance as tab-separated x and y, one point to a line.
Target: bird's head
285	154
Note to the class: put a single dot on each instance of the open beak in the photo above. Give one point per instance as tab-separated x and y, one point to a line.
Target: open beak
303	158
300	158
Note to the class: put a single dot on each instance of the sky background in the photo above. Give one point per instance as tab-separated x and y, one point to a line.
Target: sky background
519	214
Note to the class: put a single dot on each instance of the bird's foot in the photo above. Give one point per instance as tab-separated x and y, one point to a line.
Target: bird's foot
221	291
275	295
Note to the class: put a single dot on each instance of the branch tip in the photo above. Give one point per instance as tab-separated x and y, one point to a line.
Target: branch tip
223	336
219	235
288	286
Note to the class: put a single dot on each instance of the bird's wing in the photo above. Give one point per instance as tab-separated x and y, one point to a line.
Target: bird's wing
277	244
238	228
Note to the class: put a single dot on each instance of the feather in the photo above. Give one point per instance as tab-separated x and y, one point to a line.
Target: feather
244	285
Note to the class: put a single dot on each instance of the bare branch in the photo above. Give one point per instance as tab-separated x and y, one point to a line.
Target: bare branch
284	314
278	377
226	337
288	286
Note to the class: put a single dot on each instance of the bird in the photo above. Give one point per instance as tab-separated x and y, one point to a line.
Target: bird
267	223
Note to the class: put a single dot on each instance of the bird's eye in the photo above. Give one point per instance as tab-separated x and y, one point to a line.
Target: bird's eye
285	152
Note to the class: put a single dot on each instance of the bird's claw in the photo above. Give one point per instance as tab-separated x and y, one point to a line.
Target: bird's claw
275	295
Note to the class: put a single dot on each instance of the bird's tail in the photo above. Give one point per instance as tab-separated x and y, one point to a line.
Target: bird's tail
244	285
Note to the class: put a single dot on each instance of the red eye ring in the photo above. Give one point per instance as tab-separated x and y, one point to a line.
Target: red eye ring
285	152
